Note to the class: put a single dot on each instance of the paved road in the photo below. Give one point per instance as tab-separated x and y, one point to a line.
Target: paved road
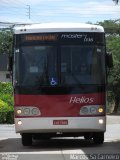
61	149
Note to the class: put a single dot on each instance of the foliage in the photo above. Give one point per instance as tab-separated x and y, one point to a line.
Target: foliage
3	106
6	103
112	27
8	99
6	38
116	1
6	88
113	46
6	117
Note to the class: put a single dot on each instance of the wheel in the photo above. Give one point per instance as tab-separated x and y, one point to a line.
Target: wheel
98	137
26	139
88	136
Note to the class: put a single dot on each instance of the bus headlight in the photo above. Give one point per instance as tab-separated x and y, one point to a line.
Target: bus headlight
27	111
100	110
92	110
35	111
84	110
19	111
19	122
101	121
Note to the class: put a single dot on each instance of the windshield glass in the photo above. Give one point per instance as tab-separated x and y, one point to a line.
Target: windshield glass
64	65
82	65
36	65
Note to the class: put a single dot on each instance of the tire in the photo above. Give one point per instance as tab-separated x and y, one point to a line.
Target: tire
88	136
98	137
26	139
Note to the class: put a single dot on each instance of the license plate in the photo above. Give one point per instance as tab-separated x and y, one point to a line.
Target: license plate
60	122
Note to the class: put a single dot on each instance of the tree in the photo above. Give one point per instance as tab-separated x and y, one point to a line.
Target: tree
112	28
6	38
113	44
116	1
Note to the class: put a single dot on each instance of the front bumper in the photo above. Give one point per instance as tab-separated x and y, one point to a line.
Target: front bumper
75	124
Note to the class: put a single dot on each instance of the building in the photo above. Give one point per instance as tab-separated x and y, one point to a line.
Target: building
4	74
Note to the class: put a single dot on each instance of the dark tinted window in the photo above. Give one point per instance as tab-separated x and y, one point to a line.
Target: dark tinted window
36	65
82	65
59	58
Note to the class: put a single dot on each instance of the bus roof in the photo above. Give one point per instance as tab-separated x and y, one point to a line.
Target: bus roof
57	27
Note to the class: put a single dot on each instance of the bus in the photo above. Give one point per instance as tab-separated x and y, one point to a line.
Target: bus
59	79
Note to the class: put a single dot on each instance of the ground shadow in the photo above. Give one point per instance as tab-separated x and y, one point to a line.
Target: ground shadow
14	145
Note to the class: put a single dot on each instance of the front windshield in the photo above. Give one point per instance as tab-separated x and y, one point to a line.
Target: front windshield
59	65
36	65
82	65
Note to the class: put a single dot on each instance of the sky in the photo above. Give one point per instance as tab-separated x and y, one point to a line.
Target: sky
42	11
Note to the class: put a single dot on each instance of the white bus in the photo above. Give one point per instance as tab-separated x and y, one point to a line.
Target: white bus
59	78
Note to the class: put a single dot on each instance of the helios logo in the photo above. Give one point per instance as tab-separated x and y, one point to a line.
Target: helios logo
82	99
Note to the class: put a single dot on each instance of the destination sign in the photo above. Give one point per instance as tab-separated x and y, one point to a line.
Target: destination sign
41	37
81	38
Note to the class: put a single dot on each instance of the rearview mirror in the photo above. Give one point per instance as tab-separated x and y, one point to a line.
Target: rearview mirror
109	60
